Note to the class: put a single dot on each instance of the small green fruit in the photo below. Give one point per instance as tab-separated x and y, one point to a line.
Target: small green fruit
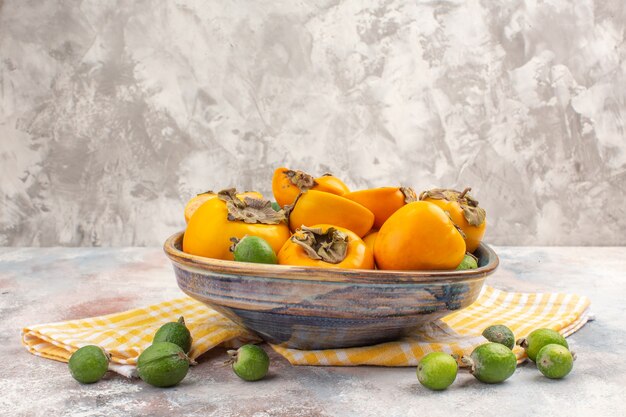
253	249
163	364
499	333
437	370
174	332
275	206
540	338
469	262
491	363
250	362
89	364
555	361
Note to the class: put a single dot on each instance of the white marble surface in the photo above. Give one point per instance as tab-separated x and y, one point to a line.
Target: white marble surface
112	114
50	284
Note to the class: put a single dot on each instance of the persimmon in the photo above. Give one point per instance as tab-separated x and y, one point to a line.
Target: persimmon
419	236
464	212
370	239
318	207
326	246
383	202
287	184
219	221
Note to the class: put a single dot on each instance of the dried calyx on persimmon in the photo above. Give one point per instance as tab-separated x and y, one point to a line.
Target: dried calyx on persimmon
326	246
330	245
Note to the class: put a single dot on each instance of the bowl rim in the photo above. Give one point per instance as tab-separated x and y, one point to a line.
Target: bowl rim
342	275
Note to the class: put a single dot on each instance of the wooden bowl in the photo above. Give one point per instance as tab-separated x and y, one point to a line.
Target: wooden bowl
322	308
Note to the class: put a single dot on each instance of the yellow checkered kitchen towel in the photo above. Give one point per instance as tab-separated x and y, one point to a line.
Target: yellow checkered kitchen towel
124	335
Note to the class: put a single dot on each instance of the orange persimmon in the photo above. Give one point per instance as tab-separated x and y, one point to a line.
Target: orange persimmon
220	219
318	207
383	202
326	246
419	236
331	184
463	211
370	239
287	184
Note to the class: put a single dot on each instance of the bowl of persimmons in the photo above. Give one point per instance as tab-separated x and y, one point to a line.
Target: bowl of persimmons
320	266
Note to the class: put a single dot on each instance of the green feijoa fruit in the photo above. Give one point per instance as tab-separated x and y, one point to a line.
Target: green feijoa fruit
253	249
538	339
250	362
437	370
469	262
275	206
89	364
163	364
491	363
499	333
174	332
555	361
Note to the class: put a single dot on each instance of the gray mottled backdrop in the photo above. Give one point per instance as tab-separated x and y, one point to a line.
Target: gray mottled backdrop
112	114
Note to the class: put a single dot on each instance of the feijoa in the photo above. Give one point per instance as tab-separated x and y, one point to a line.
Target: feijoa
253	249
250	362
491	362
175	332
89	364
499	333
437	370
469	262
163	364
540	338
555	361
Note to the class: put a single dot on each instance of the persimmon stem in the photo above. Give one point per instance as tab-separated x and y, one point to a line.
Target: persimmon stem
465	191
